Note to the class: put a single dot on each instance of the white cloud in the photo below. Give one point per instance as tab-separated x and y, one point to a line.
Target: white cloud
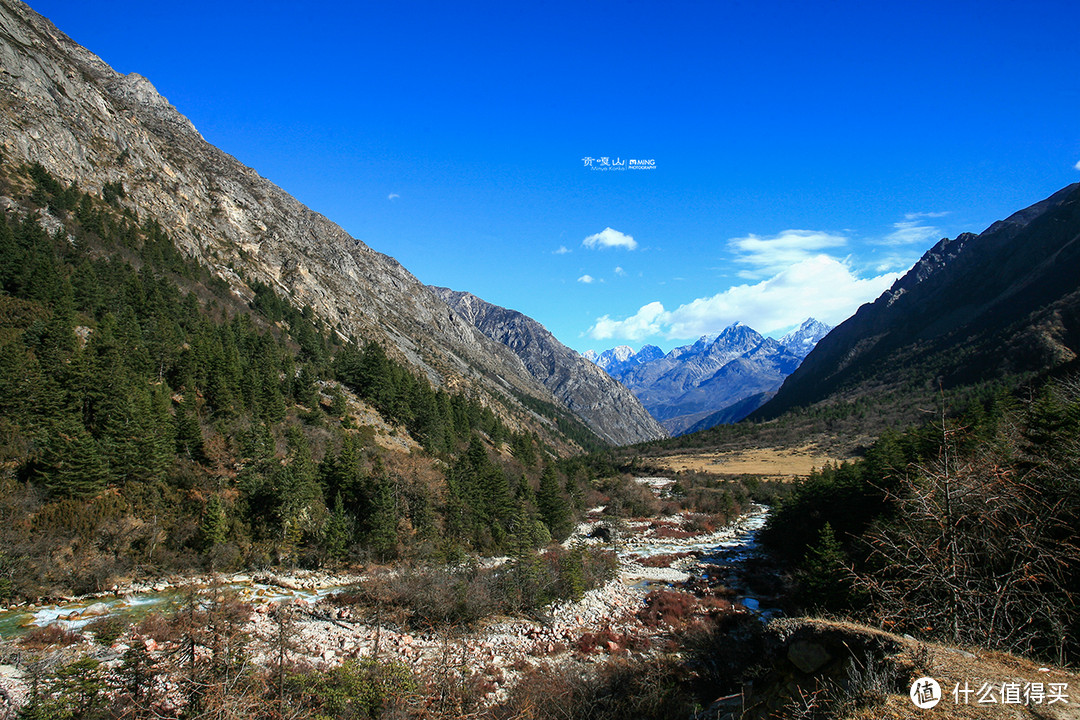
772	255
921	215
912	231
610	238
1077	165
899	262
619	271
818	285
646	322
562	250
585	279
392	196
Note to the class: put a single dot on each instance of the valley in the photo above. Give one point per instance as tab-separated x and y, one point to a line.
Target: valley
252	467
329	625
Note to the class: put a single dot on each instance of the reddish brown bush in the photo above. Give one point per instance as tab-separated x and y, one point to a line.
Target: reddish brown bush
703	523
713	605
611	642
666	607
666	560
667	531
160	627
42	637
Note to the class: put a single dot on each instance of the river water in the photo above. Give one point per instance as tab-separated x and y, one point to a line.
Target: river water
134	606
722	552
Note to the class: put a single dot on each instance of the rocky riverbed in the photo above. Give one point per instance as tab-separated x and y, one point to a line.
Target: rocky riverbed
653	553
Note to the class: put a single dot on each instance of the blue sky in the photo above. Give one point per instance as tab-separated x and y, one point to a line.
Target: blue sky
804	153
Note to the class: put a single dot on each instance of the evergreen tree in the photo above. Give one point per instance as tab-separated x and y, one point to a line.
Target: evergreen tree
338	405
338	533
189	438
213	530
71	462
554	509
824	579
382	523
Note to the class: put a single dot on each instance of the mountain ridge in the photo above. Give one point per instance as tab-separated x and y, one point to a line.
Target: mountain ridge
972	309
65	108
608	408
712	377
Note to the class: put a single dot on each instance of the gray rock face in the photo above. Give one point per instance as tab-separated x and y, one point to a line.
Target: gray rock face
63	107
608	408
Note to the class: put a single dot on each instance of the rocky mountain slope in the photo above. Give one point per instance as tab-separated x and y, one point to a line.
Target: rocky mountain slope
979	308
64	108
608	408
713	380
804	338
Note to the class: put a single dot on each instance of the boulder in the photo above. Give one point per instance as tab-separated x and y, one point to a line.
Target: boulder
808	656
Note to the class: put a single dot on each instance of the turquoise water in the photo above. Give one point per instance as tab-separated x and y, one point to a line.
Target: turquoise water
133	608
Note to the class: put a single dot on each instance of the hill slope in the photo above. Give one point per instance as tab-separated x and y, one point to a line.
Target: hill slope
64	108
975	309
608	408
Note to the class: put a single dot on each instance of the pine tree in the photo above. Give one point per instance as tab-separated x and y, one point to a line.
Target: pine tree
338	406
213	530
338	533
554	509
72	464
189	438
382	523
824	578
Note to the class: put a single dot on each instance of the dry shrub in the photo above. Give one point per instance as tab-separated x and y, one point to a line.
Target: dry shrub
160	627
425	597
666	607
665	560
42	637
607	640
978	553
436	596
666	531
702	523
713	605
627	498
618	689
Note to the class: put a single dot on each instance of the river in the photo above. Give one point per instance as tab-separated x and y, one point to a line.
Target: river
720	553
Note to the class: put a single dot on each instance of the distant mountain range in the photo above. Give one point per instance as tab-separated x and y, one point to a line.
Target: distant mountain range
997	307
719	378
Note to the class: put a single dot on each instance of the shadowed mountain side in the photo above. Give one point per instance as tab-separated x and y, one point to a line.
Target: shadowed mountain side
731	414
976	309
608	408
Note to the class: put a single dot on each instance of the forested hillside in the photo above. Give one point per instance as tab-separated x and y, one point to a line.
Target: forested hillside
152	419
67	110
962	529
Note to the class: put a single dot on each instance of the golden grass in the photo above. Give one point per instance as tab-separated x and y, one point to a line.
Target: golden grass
780	463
